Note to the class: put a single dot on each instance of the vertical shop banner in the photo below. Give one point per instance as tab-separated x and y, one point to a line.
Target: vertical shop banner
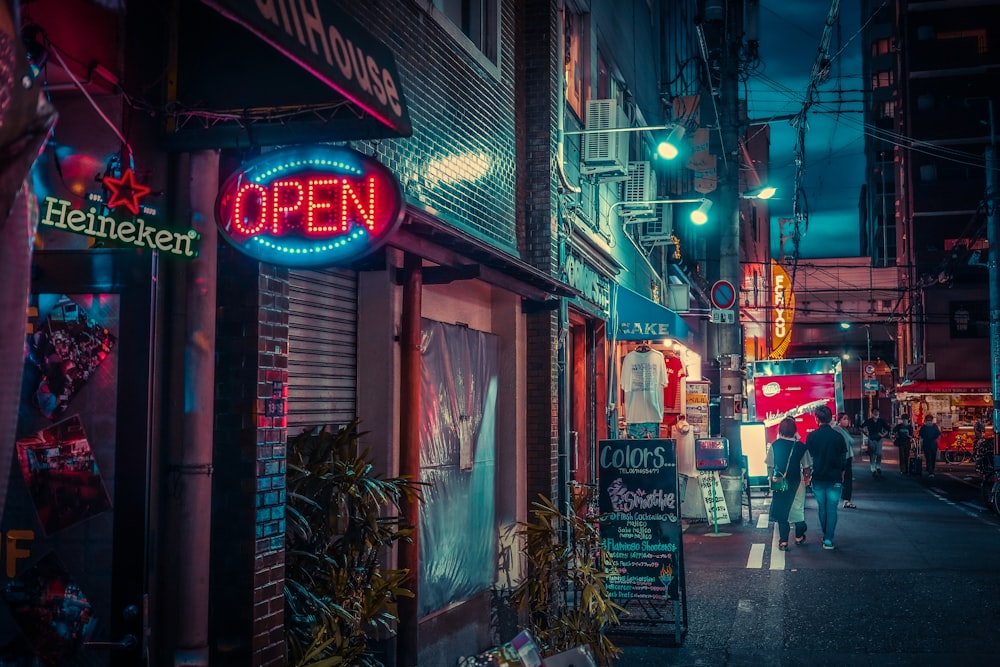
638	496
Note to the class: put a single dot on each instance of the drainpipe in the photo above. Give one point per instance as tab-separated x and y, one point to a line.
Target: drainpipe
407	642
190	466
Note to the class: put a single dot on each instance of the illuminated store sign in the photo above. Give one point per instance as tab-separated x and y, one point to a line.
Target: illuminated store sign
783	307
138	233
310	207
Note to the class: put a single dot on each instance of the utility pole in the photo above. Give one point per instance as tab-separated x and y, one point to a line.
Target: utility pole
993	258
730	336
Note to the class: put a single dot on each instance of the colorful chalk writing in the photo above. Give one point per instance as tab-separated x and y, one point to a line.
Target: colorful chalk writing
638	481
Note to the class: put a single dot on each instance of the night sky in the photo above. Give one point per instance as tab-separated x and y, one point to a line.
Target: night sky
790	36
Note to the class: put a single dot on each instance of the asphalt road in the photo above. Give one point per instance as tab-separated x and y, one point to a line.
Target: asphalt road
914	580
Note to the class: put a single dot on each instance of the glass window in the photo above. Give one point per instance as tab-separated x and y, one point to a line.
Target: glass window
882	79
476	20
576	63
881	47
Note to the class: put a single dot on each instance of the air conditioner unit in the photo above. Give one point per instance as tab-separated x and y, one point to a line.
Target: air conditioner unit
640	187
659	230
605	153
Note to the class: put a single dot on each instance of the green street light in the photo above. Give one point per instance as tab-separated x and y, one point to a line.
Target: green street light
669	147
699	216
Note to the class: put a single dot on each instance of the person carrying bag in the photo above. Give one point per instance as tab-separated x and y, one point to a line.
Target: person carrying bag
785	485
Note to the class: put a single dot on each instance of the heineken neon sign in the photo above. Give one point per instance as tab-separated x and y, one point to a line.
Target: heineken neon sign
310	206
136	232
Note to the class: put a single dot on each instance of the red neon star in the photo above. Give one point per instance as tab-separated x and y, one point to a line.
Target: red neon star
125	191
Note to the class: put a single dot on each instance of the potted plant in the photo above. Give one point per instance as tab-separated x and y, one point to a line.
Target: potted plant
564	594
340	519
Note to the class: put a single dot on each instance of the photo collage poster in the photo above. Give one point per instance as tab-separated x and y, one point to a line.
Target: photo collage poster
62	477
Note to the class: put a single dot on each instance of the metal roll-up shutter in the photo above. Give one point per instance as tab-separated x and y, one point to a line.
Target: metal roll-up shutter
322	348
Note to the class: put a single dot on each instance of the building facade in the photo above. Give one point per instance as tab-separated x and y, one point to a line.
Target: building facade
535	242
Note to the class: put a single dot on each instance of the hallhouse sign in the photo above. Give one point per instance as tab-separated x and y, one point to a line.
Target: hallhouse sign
310	207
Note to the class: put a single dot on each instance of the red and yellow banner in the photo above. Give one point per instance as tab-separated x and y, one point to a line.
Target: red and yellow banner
782	311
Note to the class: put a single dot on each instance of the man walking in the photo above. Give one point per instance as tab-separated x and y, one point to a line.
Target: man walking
902	434
829	454
875	429
929	434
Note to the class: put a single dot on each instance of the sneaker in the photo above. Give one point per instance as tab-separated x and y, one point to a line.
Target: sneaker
930	475
828	545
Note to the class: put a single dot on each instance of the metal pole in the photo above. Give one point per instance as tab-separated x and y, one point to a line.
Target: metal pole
993	238
730	340
407	642
868	361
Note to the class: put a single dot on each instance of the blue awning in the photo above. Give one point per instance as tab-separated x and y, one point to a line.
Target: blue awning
639	318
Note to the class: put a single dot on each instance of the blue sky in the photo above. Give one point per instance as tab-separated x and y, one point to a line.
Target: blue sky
790	37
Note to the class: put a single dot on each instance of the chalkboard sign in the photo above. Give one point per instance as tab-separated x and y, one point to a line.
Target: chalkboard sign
638	494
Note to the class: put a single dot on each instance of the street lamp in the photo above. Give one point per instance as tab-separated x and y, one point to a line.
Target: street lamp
699	216
667	148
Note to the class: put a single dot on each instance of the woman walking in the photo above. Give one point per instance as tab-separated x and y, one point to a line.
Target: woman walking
788	459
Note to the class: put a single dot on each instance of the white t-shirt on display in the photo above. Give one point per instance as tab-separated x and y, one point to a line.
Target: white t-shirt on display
643	378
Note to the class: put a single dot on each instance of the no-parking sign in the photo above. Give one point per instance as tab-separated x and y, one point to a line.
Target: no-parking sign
723	294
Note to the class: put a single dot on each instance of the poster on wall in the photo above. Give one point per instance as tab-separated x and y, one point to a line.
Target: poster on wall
696	401
638	495
51	610
61	474
66	348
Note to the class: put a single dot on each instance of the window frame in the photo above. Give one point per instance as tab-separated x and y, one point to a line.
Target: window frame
491	33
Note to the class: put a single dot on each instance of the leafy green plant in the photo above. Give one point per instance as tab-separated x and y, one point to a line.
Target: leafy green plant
564	593
340	519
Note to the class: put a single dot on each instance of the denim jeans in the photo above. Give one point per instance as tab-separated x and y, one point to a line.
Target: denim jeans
827	498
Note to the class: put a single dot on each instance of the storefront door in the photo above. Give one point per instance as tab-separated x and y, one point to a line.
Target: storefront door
73	567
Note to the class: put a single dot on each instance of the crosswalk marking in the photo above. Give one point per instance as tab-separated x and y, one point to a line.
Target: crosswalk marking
762	521
755	560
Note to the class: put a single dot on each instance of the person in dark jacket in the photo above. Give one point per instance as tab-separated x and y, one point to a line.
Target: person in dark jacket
787	457
829	455
875	429
929	434
902	435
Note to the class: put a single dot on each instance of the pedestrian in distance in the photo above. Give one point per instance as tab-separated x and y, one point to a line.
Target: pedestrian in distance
929	434
843	422
875	429
829	453
787	457
902	437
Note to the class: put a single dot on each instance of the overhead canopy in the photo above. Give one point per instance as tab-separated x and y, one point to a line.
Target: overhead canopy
639	318
336	81
335	49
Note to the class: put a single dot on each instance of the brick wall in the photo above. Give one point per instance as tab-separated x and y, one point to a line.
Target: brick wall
248	522
538	95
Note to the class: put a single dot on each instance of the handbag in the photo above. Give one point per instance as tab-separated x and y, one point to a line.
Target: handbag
780	482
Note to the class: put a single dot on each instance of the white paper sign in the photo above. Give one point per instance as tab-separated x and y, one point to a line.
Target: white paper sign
711	492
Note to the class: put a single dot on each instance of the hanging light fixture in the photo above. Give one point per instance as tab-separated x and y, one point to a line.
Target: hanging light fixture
669	148
699	216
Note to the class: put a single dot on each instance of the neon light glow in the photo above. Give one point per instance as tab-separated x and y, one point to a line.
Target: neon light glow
315	206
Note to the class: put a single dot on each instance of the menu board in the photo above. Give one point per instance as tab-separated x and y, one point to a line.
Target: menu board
638	497
696	402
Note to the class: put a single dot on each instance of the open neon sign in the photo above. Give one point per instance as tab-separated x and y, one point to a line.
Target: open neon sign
310	207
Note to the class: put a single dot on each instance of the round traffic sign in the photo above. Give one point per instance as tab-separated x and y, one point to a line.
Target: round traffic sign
869	369
723	294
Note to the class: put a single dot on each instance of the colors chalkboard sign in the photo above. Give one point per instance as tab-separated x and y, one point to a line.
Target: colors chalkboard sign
638	494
